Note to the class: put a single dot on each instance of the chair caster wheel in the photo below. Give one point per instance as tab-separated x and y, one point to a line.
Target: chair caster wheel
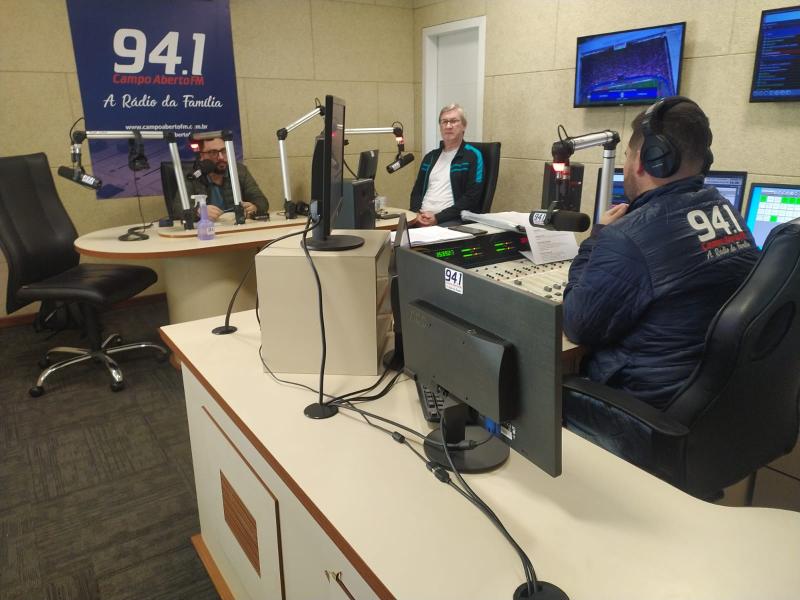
44	363
117	340
36	391
117	386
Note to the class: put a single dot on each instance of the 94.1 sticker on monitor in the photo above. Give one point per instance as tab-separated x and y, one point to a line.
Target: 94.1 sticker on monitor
454	280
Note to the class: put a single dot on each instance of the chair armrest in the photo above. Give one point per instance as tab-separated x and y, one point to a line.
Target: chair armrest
654	418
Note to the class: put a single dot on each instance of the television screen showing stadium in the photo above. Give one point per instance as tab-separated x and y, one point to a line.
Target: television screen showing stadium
637	66
776	74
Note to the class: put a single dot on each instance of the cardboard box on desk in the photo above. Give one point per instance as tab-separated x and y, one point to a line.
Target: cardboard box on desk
355	299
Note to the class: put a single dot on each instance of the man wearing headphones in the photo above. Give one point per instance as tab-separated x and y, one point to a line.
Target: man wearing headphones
216	185
647	283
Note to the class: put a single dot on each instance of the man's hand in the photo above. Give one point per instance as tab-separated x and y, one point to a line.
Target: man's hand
614	213
250	209
425	219
214	212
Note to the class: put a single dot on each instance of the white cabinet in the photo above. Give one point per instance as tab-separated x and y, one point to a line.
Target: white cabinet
262	539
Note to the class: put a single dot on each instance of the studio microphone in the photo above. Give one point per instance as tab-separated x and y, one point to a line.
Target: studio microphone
204	167
559	220
81	177
400	163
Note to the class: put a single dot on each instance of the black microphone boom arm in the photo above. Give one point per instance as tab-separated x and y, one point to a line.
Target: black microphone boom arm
563	149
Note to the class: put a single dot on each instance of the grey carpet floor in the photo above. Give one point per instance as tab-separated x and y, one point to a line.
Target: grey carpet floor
97	496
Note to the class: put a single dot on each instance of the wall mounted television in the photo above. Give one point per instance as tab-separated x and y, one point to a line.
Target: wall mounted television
631	67
776	72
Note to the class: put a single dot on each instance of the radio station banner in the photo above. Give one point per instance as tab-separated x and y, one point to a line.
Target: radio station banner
154	66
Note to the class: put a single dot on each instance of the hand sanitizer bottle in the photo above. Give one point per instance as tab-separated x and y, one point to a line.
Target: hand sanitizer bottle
205	227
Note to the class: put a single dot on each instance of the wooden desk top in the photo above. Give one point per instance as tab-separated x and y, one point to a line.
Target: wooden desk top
602	530
175	241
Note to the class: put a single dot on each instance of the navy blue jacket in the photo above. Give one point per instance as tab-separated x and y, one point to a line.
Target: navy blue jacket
466	181
643	290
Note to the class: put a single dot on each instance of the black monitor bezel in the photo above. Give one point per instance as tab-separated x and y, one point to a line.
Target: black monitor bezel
597	192
764	13
755	184
648	102
365	158
742	174
326	208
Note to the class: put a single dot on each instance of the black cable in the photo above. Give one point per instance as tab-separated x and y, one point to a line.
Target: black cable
381	394
71	129
286	381
331	397
321	313
530	573
349	169
139	202
250	268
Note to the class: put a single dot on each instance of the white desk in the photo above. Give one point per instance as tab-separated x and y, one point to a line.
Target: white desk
199	276
340	496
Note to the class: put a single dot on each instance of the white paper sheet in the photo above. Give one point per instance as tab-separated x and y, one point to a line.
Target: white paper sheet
550	246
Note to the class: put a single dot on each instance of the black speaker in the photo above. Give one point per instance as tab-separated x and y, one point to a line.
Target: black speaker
572	201
660	157
358	205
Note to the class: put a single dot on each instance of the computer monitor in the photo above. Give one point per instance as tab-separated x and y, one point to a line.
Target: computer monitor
491	347
730	184
367	164
776	72
394	358
326	181
617	195
568	197
768	205
636	66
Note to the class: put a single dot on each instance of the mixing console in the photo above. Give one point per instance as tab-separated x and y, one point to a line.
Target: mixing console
547	280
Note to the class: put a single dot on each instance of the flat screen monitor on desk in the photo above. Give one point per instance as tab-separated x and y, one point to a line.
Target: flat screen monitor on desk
730	184
768	205
490	346
617	194
327	183
367	164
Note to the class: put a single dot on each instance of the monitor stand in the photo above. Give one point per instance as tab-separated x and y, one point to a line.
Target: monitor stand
488	454
335	242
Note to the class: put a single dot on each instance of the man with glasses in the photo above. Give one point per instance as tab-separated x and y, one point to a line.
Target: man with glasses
450	178
217	186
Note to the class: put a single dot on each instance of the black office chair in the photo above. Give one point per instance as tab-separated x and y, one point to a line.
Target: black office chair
491	171
169	185
36	236
740	408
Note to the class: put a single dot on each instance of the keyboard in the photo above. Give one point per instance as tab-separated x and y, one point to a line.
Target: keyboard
432	403
547	280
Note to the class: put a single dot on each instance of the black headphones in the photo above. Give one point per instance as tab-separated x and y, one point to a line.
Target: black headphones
137	161
660	157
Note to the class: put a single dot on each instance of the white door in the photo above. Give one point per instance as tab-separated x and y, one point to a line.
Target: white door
453	71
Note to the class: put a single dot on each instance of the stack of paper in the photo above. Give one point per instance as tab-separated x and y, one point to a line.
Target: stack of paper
421	236
510	221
